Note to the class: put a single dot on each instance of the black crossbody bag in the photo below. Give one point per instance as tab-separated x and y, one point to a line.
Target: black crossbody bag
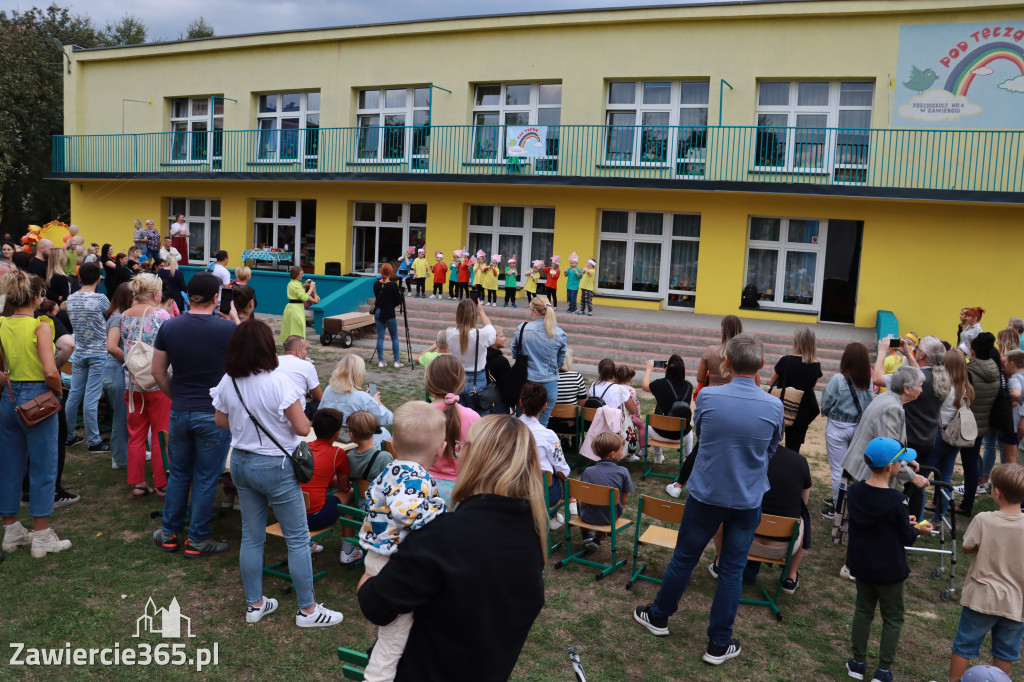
301	457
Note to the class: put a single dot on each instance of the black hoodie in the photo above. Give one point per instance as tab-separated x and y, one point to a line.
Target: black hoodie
878	532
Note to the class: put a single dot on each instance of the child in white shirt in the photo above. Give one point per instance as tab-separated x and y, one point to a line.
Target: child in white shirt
533	400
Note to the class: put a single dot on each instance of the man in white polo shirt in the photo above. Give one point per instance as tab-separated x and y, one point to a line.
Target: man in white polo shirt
300	370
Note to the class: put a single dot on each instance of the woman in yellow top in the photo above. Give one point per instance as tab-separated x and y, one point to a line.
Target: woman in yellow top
293	322
28	352
419	273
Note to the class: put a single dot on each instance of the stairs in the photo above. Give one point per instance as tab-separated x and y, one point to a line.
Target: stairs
626	342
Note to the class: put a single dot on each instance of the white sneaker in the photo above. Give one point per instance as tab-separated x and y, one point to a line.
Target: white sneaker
352	557
46	541
631	458
844	572
557	521
382	364
431	296
958	489
674	489
253	614
399	365
15	536
983	488
658	457
321	617
314	548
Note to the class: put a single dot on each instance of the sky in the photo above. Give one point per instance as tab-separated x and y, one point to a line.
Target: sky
169	19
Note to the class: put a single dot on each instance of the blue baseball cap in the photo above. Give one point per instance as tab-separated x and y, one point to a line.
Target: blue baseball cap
985	673
882	452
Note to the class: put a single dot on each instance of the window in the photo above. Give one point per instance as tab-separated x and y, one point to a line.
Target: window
526	232
203	218
381	232
814	126
192	120
516	104
658	122
288	225
784	259
289	125
649	254
394	125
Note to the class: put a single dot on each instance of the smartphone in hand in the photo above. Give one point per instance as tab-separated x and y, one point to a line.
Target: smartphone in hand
371	389
226	295
660	364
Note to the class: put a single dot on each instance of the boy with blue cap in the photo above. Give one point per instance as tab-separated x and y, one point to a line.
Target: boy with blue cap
880	527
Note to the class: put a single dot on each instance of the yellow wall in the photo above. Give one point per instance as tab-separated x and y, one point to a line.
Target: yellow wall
922	260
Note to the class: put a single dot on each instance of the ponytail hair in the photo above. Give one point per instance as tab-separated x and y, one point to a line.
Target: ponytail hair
445	376
543	307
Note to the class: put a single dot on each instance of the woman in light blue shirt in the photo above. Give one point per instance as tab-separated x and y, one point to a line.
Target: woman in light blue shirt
544	345
345	393
843	401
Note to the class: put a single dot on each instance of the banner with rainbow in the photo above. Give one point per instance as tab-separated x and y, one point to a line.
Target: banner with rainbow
960	76
526	141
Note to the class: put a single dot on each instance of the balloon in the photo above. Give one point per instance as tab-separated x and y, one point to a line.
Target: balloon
67	238
27	248
73	229
25	239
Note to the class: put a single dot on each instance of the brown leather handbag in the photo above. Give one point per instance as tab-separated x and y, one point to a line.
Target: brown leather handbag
35	410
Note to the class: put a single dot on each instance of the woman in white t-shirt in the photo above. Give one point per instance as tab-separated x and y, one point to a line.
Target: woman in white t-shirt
468	344
261	470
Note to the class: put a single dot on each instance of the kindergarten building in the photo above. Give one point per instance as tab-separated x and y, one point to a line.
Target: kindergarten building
830	159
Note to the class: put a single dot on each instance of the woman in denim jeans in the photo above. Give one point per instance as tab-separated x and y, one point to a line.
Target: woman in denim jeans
252	391
387	298
544	346
28	353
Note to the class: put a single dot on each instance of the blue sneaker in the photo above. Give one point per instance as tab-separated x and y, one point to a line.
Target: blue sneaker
881	675
856	670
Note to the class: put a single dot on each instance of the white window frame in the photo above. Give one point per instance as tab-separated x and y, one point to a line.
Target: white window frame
543	164
207	220
689	163
214	124
830	160
277	222
406	225
412	133
494	230
305	152
631	237
784	246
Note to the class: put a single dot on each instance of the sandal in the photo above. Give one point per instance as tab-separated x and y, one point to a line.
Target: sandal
161	492
929	507
140	491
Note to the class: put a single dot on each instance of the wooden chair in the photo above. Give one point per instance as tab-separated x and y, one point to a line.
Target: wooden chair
673	424
553	547
279	569
598	495
389	448
659	536
567	413
779	527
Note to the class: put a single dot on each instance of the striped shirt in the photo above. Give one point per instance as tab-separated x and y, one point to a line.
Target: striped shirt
571	388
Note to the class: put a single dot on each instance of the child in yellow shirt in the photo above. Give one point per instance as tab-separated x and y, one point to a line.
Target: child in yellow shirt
530	284
491	280
587	288
419	272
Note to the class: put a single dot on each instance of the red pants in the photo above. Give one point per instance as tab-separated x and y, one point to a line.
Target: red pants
152	412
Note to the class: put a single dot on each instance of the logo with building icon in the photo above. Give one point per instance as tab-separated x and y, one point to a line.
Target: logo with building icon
168	623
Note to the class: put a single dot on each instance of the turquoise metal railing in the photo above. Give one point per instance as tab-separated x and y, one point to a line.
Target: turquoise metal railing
987	161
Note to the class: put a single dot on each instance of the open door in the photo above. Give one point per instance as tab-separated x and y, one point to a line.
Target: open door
842	269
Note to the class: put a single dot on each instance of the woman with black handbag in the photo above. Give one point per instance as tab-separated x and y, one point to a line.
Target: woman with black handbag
468	344
263	410
28	416
543	344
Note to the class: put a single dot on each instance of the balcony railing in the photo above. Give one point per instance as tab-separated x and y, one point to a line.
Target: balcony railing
978	161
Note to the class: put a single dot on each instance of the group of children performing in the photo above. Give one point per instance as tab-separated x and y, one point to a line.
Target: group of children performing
467	272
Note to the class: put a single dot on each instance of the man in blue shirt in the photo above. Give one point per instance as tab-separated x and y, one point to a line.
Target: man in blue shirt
739	427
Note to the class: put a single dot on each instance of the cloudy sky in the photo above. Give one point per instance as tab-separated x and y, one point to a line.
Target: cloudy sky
167	19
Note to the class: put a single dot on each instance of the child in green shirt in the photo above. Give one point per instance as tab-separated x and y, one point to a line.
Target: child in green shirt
511	280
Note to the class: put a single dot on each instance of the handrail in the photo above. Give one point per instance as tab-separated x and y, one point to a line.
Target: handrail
965	160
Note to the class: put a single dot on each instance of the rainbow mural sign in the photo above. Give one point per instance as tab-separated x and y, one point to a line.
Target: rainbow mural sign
960	76
526	141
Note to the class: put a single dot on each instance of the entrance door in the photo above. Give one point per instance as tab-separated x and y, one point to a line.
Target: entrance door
842	269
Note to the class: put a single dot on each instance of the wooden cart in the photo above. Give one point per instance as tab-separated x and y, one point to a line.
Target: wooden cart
344	326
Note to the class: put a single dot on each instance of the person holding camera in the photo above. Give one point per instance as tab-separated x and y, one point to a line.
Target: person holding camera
468	344
293	322
387	297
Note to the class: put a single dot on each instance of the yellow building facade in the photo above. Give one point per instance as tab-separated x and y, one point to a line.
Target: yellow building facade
820	156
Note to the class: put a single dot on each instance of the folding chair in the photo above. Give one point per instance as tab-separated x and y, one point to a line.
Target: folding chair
673	424
660	536
575	434
352	517
279	569
389	448
776	527
353	663
552	509
591	493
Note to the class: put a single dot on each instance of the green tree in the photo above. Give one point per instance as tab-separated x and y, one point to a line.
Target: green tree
199	28
128	30
31	89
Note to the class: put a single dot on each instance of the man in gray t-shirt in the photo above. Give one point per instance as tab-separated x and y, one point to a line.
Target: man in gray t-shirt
87	309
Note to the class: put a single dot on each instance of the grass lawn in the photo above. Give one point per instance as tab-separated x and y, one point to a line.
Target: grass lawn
92	595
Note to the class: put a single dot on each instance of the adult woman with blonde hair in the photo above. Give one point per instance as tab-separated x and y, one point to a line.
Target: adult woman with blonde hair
544	345
711	370
149	410
468	344
58	286
943	454
28	353
444	381
345	394
175	281
801	371
458	564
